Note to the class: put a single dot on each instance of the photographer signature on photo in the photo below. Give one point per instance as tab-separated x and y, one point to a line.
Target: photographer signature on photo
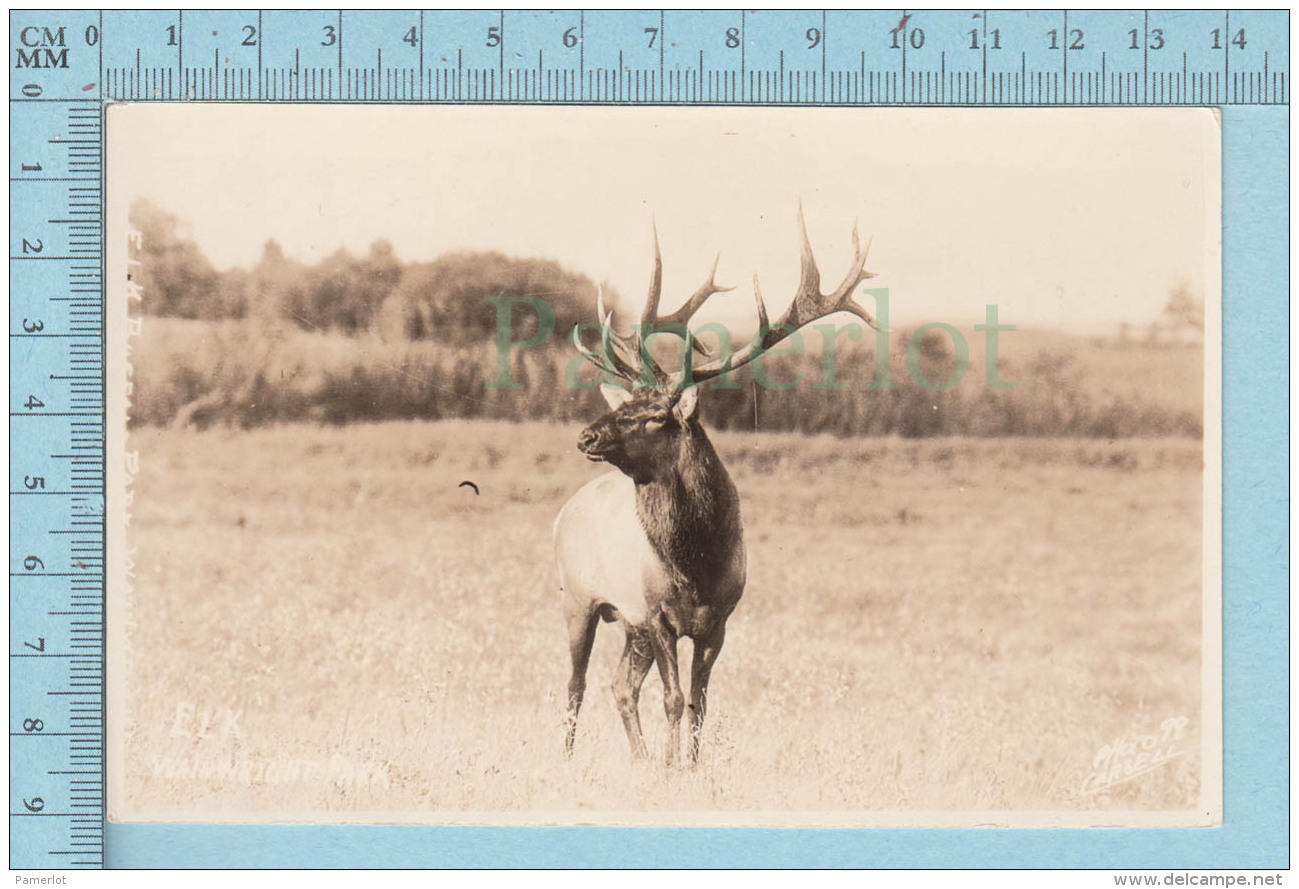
1133	755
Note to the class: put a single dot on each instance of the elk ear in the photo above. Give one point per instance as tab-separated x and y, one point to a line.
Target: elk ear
687	404
614	396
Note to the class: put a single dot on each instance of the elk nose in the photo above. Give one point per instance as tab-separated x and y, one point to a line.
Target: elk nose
586	440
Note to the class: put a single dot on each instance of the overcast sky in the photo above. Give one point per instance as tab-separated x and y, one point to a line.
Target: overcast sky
1066	216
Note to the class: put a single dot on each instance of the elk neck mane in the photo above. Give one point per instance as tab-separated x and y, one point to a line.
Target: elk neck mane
691	512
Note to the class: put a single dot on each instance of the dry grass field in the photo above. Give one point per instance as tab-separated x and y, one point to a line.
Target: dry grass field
323	620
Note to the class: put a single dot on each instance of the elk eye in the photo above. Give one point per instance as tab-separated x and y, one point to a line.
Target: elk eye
654	424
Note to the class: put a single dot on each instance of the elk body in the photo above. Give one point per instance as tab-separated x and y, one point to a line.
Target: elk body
658	544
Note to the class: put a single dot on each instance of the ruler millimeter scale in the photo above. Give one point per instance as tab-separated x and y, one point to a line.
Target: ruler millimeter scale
1117	57
66	66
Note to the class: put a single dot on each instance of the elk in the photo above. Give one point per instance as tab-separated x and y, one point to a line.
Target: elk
658	544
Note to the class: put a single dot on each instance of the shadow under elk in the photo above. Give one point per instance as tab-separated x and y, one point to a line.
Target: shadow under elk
658	546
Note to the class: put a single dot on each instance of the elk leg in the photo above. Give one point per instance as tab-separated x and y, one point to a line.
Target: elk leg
706	651
581	638
627	681
674	702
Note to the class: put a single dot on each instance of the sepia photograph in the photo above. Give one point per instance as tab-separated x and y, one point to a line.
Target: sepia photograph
664	466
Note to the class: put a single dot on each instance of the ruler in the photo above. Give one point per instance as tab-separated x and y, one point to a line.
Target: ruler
65	66
56	444
1134	57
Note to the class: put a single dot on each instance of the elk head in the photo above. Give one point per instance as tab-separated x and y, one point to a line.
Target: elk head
641	434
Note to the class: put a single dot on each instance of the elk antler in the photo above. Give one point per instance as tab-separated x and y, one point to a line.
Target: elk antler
809	305
616	354
675	323
627	357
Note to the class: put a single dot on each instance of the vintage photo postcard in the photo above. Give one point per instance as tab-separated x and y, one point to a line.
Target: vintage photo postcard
664	466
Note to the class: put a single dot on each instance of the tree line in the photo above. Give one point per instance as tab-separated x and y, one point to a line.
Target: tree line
369	337
443	300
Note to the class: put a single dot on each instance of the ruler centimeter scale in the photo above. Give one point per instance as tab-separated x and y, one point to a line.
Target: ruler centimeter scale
67	65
